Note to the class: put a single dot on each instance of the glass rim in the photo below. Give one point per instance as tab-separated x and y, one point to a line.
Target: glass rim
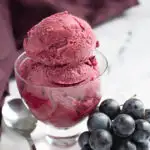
57	87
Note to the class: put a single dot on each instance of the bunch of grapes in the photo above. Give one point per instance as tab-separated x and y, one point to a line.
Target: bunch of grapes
115	127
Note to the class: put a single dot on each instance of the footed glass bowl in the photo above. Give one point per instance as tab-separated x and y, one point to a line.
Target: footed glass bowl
62	109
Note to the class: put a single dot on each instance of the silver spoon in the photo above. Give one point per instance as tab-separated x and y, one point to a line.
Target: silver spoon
17	117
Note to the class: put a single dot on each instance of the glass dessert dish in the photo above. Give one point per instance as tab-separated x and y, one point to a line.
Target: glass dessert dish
62	109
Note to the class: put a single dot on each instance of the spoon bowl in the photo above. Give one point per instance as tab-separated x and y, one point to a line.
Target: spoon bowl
18	118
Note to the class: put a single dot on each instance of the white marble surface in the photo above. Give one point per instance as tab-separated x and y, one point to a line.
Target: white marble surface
126	44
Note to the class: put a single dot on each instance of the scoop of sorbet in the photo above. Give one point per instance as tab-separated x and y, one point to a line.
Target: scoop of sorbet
60	39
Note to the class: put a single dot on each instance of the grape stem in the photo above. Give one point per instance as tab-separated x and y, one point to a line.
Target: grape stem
134	96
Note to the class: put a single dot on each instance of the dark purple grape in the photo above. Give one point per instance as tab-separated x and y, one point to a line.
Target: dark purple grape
123	125
117	141
147	115
100	139
86	147
142	131
99	121
110	107
141	146
84	139
126	145
134	107
147	112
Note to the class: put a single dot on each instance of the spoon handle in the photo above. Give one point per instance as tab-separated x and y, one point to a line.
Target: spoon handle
31	143
33	147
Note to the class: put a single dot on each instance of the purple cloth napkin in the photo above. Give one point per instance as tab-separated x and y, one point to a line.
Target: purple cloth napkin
18	16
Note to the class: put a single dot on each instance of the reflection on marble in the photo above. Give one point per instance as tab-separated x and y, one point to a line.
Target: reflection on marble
125	42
